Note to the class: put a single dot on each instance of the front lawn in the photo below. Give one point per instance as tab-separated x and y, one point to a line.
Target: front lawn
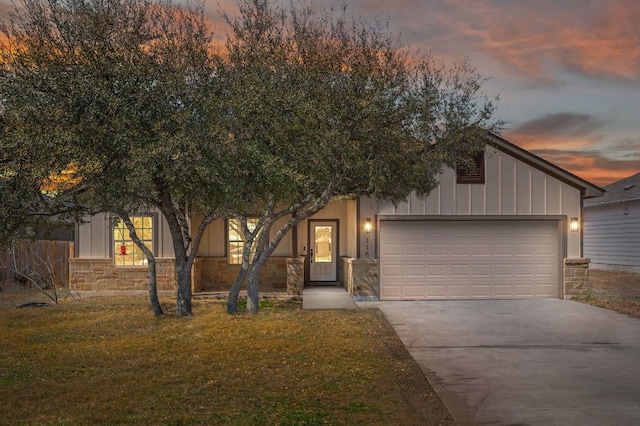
110	361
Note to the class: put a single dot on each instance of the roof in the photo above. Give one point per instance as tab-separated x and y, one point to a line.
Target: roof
586	188
627	189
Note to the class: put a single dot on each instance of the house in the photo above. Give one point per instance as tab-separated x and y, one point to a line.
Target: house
509	228
612	227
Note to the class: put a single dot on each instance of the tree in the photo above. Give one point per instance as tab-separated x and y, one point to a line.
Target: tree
323	106
130	95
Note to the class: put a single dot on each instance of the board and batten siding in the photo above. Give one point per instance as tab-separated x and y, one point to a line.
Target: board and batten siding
512	188
95	237
612	236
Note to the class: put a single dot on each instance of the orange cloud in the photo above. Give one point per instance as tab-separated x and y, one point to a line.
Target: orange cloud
594	168
593	38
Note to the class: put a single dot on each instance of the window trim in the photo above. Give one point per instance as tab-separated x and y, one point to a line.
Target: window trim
154	236
475	176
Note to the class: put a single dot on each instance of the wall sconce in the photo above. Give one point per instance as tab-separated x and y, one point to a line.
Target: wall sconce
367	225
574	225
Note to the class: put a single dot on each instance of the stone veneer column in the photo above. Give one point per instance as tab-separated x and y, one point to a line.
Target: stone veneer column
295	276
576	277
362	279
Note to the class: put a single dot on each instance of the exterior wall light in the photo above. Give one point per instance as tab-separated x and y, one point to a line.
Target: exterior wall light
367	225
574	225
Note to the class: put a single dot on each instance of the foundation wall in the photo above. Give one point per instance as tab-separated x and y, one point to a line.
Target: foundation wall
216	274
101	274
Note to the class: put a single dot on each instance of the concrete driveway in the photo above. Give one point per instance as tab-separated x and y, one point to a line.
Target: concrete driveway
533	362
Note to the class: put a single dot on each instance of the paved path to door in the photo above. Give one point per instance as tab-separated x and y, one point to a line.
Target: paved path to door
533	362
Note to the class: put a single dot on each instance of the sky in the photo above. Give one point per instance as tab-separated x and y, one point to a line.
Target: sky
567	71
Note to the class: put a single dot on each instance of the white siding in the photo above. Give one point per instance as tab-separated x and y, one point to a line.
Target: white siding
94	237
512	188
612	236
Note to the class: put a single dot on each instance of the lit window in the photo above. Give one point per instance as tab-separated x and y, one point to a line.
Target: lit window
473	174
236	239
125	251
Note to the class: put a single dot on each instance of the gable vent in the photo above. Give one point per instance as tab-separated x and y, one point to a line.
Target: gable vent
475	174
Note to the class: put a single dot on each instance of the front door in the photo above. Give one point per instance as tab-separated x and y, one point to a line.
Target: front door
323	243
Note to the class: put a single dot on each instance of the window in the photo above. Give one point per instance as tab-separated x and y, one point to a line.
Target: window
125	251
236	239
474	174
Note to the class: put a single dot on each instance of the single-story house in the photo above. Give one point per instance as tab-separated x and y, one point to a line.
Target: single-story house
510	228
612	227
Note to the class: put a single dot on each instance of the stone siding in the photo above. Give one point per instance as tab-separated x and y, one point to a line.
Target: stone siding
216	274
295	276
101	274
576	277
361	278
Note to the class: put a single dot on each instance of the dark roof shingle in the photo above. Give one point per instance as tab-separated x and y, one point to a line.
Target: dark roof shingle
627	189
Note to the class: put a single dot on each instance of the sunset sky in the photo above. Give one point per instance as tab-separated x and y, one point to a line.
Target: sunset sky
567	72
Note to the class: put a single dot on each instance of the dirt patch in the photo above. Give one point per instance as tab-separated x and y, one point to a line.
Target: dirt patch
13	295
608	283
618	291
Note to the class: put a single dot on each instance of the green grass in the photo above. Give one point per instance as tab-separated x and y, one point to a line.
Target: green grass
110	361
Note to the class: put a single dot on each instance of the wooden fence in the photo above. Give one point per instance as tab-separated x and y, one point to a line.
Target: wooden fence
40	259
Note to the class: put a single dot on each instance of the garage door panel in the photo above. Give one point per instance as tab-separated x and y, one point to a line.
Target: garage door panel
547	249
481	270
525	250
437	250
459	249
392	250
459	270
481	291
548	269
482	250
414	291
415	271
503	270
436	271
414	249
502	249
469	259
391	271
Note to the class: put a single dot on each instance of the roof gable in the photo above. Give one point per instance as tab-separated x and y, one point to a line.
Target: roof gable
586	188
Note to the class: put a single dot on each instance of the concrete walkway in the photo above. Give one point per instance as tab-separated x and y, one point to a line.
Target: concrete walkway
329	297
525	362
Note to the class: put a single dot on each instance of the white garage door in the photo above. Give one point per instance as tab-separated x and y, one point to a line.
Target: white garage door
469	259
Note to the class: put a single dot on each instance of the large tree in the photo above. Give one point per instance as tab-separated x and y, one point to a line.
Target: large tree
323	106
124	92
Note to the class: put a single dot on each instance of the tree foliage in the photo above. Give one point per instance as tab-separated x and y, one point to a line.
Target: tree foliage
302	106
123	92
324	106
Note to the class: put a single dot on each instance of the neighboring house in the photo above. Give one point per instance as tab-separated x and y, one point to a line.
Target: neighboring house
612	227
501	230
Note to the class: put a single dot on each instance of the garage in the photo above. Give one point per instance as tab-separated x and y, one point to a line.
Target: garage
469	259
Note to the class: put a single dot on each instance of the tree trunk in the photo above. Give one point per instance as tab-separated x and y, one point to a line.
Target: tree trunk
232	302
151	265
153	289
253	284
183	303
249	236
179	230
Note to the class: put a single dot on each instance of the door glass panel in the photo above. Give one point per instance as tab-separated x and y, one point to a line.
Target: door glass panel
323	237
